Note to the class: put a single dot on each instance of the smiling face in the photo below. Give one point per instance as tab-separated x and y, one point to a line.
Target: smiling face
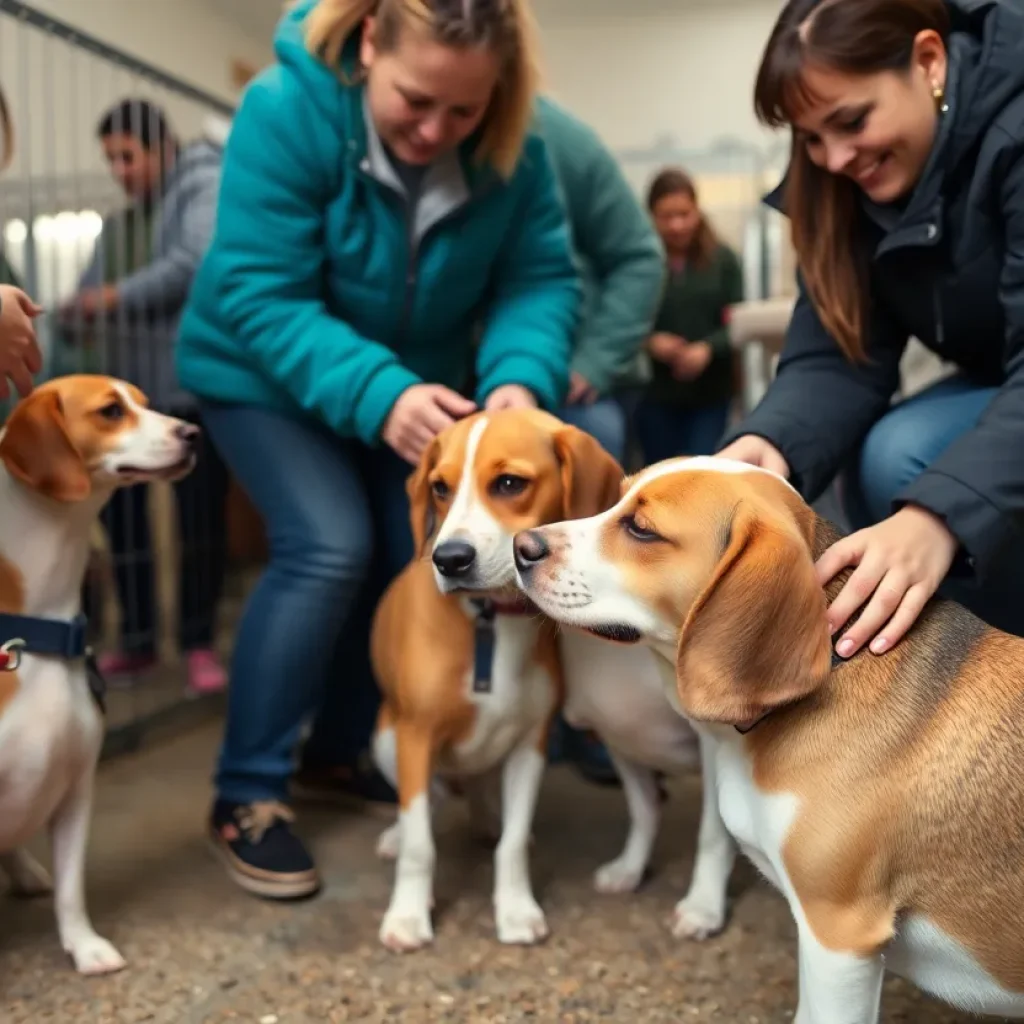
81	433
877	130
706	560
492	475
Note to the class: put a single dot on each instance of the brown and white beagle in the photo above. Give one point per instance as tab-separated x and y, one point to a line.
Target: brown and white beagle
469	672
63	451
884	795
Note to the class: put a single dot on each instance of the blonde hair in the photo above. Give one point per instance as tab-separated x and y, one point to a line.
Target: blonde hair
506	26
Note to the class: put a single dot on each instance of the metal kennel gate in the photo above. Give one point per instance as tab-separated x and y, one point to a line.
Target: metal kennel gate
56	193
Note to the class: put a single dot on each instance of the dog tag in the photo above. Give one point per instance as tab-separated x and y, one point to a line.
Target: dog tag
97	684
483	649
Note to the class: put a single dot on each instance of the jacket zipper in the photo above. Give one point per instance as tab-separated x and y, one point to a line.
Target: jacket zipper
412	267
940	328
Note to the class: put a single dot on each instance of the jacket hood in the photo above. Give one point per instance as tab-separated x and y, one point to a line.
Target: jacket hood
987	59
321	83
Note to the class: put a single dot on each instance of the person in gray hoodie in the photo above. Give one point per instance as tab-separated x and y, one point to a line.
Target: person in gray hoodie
125	315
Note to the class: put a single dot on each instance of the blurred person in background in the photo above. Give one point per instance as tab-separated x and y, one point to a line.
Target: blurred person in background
127	309
383	191
905	193
20	357
685	408
622	268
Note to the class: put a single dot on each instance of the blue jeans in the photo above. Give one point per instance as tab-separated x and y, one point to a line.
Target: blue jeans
604	420
901	445
665	432
337	520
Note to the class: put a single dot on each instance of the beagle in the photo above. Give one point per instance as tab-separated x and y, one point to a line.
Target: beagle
882	795
63	451
469	672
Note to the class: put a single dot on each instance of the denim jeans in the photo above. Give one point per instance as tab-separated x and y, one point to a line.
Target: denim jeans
604	420
903	444
665	432
337	520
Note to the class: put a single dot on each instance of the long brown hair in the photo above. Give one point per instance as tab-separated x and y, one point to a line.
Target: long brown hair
674	181
855	37
506	26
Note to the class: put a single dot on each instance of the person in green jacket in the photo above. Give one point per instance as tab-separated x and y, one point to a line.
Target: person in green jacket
685	409
622	269
621	264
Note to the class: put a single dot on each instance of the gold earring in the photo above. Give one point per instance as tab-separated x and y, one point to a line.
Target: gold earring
939	95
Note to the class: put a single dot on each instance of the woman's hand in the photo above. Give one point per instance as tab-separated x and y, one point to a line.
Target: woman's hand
420	414
691	360
581	391
756	451
900	564
665	346
19	352
510	396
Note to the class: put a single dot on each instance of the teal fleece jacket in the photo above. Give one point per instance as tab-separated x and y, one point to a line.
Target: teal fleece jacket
619	255
323	293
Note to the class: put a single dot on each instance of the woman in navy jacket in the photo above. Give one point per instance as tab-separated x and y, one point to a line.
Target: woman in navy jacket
905	192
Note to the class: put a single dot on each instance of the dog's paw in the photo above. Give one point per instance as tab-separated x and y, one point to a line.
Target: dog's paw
620	875
404	931
92	954
389	841
697	919
520	921
28	878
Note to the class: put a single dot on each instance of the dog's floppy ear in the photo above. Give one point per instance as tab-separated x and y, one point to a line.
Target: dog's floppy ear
422	517
591	478
756	638
37	450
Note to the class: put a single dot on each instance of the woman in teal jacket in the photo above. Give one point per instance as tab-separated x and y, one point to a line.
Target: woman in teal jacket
382	195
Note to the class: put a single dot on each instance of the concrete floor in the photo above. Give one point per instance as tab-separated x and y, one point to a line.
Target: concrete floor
200	951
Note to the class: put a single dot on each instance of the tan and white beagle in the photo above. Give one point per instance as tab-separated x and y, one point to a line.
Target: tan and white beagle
63	451
469	672
883	796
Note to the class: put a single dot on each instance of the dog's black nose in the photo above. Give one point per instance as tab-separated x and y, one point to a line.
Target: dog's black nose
187	432
454	557
529	548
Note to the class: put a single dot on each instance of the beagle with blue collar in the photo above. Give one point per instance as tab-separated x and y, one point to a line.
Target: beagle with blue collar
63	451
884	795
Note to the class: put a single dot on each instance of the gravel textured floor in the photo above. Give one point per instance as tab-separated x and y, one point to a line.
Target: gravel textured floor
201	952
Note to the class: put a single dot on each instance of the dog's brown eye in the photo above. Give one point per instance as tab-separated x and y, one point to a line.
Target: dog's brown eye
113	411
440	490
638	532
508	486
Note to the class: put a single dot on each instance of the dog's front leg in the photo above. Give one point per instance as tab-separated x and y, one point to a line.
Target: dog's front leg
836	987
517	914
407	924
69	834
701	912
626	872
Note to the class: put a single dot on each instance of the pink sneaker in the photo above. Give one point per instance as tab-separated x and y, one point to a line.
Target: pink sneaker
117	664
205	672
